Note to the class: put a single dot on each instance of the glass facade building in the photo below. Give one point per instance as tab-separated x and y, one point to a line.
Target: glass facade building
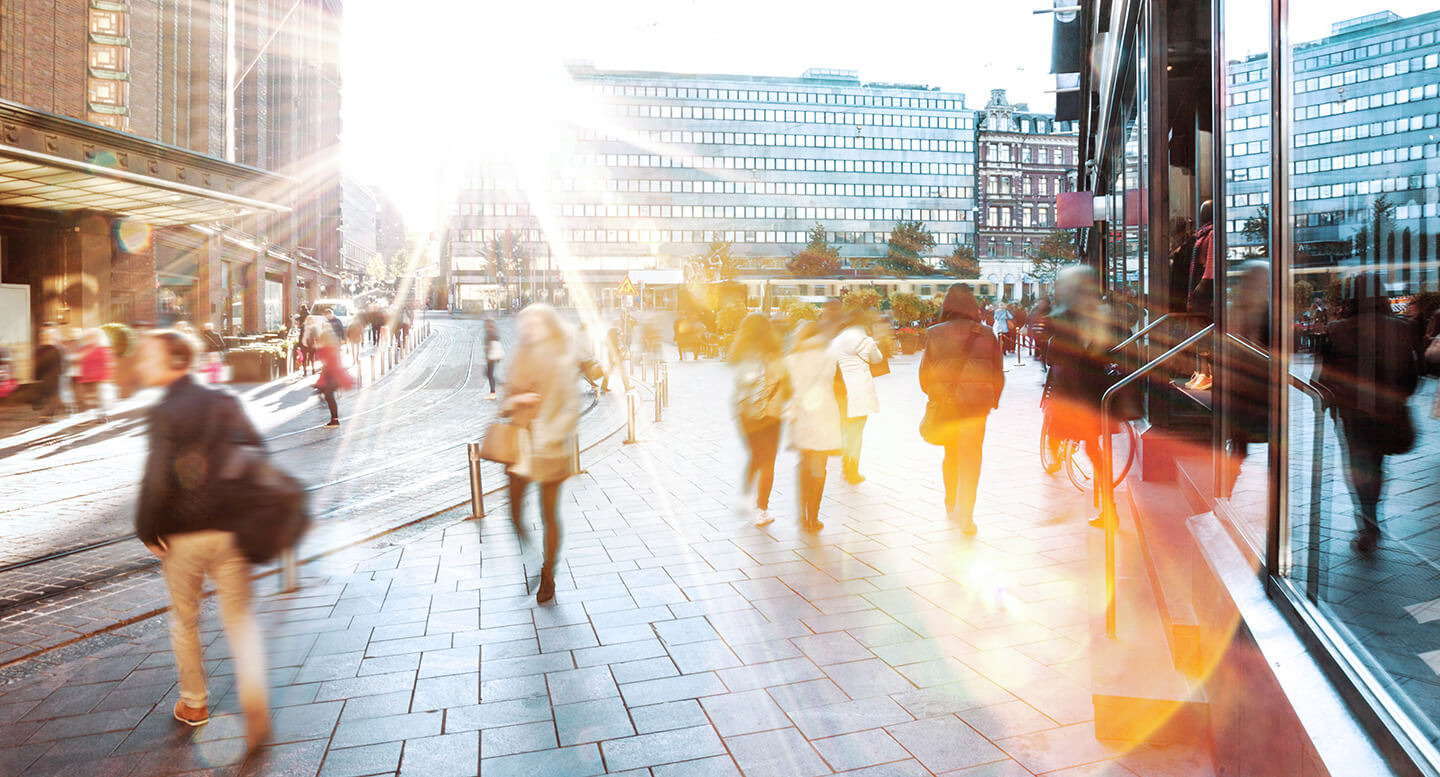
670	162
1298	139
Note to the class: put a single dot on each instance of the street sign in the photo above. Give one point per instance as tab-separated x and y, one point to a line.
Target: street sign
626	287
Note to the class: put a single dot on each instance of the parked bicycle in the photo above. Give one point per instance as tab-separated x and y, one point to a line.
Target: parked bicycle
1058	452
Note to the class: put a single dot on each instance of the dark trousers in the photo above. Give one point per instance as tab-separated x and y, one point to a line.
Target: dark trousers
490	373
763	442
329	394
812	485
549	516
961	468
1367	476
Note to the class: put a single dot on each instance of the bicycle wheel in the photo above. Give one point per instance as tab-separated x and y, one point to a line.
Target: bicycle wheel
1050	450
1125	444
1077	465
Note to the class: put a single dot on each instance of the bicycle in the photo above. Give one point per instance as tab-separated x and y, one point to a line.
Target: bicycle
1060	452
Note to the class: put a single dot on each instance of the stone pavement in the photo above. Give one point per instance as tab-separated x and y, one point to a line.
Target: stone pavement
683	641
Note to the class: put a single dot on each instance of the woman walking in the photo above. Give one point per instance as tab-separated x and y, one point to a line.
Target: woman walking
333	375
52	372
814	415
97	369
962	374
542	396
494	352
761	390
855	350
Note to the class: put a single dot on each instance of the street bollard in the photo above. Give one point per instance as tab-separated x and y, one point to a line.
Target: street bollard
1018	358
289	572
659	393
372	366
575	454
477	488
665	384
630	402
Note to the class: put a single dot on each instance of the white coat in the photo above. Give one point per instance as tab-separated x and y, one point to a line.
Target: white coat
813	412
854	352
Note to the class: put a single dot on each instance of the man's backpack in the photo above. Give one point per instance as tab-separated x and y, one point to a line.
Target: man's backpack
266	507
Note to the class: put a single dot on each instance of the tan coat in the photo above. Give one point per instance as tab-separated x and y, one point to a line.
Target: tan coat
813	413
549	369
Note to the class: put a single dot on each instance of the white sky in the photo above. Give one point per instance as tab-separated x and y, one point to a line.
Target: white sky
429	83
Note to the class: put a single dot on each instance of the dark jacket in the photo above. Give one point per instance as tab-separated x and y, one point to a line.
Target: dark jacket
192	432
338	328
1371	365
960	349
50	367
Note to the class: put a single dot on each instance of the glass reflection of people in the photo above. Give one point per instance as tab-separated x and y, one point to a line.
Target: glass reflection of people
1370	365
1248	398
542	396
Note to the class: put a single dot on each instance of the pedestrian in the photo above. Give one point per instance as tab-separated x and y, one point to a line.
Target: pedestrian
761	391
374	318
1370	365
52	374
855	350
336	325
814	416
614	360
494	352
310	329
1002	329
542	396
93	387
962	373
333	375
179	521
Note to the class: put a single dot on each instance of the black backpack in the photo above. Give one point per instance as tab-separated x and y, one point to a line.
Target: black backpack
266	507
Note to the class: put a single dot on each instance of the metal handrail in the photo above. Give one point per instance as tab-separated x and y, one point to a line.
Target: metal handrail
1146	329
1103	473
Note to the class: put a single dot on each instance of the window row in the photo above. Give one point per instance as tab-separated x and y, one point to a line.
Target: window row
1258	173
1244	149
1247	200
1366	102
1363	159
777	96
1008	152
1029	184
1361	188
1367	130
786	164
1368	73
1248	122
705	113
1028	216
785	212
1006	247
1250	96
789	140
650	237
1249	76
1366	52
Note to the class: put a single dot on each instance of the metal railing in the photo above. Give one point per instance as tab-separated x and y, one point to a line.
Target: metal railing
1150	326
1104	478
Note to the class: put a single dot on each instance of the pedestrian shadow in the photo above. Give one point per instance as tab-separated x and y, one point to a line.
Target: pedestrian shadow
78	435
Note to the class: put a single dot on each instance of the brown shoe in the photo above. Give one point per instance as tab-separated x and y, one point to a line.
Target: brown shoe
191	716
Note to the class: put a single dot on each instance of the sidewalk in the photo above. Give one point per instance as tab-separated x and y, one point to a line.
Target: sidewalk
683	641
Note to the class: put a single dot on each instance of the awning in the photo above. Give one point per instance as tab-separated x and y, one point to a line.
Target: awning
56	163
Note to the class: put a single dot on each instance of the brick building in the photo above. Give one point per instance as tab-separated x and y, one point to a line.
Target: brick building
138	185
1023	160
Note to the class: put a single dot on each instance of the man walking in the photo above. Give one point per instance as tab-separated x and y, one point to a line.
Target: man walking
193	429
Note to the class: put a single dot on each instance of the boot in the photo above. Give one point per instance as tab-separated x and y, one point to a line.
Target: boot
852	472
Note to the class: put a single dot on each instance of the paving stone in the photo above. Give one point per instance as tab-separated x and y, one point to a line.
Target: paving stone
717	766
744	713
497	714
574	685
578	761
782	753
592	721
663	747
668	716
435	693
391	728
863	748
672	689
945	744
447	755
524	738
847	717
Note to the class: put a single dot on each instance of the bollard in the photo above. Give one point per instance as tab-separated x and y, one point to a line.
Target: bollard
289	572
1018	358
659	387
477	488
372	366
575	454
630	401
664	390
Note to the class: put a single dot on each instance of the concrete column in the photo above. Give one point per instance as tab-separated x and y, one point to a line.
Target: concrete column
91	254
254	292
209	296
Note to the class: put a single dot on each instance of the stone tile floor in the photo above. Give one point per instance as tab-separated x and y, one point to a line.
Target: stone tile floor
682	641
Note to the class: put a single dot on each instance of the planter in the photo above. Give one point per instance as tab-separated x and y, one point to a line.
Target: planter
908	343
251	366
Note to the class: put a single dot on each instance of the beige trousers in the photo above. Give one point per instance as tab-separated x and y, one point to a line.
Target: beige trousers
191	556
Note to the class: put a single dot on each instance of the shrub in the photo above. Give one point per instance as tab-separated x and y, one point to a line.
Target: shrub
861	299
907	309
796	311
729	318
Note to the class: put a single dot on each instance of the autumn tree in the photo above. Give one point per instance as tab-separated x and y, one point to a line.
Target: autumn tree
1053	253
1257	228
818	259
961	263
908	242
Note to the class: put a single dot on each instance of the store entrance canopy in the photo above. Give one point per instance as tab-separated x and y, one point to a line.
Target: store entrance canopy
54	163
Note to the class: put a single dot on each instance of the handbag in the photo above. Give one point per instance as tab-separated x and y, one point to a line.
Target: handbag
881	367
266	507
502	443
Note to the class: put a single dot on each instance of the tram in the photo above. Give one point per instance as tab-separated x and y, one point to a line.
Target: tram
820	289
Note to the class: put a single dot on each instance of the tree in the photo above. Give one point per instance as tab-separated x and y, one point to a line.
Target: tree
908	240
1257	228
1304	294
1382	214
961	263
796	311
817	260
907	309
1361	241
860	299
716	264
1053	253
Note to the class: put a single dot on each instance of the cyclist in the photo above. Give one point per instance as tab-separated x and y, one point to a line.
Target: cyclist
1082	332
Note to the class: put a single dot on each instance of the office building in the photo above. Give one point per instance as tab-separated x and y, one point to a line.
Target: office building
360	213
1024	159
754	161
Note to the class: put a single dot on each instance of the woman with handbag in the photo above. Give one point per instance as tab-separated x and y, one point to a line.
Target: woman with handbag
814	416
761	390
855	353
333	375
542	399
1370	365
962	374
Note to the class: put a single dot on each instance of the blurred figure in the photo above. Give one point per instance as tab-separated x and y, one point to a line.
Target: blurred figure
1002	327
814	416
52	374
855	350
650	339
1082	333
541	396
214	343
1200	297
1182	236
832	318
374	318
191	429
333	375
494	352
1248	406
614	360
310	329
590	369
1370	365
1039	323
97	370
7	372
761	391
406	320
681	332
335	324
962	374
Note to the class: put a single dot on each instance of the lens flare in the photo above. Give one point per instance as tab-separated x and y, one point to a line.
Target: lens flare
133	236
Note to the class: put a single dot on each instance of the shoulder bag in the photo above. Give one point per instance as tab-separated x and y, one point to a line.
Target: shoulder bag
266	507
502	443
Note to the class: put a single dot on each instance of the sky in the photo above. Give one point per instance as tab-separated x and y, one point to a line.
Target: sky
431	83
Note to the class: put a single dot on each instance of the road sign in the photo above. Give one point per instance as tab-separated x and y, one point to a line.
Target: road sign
626	287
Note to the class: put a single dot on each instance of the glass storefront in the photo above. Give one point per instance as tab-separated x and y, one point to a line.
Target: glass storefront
1322	281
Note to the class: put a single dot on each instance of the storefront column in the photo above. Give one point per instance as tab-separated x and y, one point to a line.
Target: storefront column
90	254
209	269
